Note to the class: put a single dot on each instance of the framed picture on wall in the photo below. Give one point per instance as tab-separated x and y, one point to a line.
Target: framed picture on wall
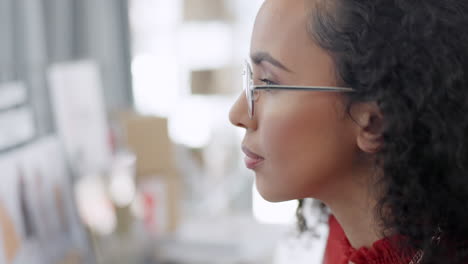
39	221
64	233
10	225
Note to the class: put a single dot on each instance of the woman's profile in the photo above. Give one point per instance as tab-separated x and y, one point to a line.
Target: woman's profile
363	104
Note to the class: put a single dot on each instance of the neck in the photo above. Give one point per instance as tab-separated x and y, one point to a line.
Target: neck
354	210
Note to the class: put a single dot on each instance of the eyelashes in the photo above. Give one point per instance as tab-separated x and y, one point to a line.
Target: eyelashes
267	82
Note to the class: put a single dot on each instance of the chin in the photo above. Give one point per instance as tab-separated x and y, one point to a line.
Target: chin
274	197
277	194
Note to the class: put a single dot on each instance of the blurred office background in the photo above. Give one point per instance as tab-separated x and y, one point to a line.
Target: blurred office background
115	144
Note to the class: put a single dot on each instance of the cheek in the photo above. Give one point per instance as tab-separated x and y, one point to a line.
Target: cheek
306	147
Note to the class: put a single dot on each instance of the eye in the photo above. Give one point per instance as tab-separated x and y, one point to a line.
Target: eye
267	82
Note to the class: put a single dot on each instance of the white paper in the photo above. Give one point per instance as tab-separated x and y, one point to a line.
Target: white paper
76	92
12	94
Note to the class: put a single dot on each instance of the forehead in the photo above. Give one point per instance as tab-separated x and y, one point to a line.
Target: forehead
281	28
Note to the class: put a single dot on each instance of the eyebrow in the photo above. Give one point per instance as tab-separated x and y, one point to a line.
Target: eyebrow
259	57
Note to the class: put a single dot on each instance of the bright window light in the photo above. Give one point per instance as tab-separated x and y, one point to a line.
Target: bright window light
193	121
205	45
156	83
273	213
155	14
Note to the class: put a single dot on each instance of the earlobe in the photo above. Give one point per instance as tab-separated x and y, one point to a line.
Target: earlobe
369	143
370	128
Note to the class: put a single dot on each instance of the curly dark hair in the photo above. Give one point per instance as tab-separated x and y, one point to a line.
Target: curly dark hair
411	58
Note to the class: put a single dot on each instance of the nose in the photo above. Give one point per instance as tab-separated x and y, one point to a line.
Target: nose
239	115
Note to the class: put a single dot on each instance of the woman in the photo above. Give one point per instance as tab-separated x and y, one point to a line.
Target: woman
362	105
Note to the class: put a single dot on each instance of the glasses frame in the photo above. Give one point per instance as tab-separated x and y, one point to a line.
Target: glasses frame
251	95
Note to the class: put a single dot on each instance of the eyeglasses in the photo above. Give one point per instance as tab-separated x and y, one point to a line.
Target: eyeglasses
251	90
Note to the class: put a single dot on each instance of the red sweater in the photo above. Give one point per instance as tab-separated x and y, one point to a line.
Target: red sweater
339	250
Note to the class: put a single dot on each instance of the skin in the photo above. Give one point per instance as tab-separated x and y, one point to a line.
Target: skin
310	145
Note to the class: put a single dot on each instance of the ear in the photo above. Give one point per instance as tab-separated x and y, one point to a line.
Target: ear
369	121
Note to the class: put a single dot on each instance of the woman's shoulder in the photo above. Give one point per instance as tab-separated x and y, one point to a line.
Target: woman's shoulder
383	251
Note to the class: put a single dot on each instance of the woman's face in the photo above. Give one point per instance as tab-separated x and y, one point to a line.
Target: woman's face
305	138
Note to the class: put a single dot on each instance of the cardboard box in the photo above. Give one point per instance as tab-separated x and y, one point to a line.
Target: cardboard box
226	80
148	138
202	82
160	196
204	10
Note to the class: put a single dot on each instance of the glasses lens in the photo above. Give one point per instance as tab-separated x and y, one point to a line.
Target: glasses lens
247	87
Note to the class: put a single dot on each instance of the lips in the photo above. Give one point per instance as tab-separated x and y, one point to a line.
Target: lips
252	160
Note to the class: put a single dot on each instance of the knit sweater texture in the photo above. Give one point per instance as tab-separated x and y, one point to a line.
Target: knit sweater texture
340	251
